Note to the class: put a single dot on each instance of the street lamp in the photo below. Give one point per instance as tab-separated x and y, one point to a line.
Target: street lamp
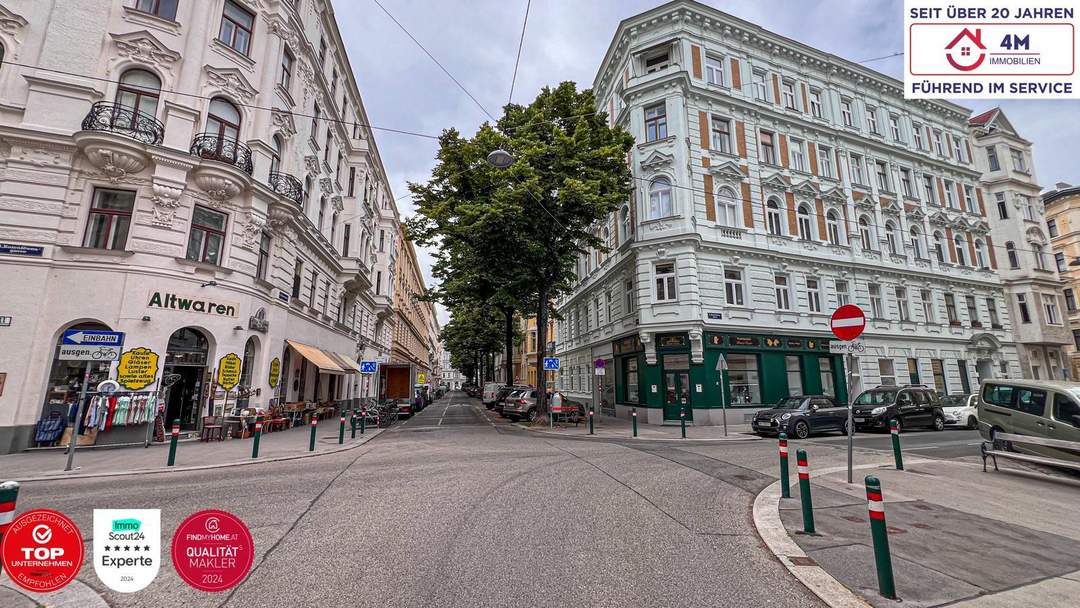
500	159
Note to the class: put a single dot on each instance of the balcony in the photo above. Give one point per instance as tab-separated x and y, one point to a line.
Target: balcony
288	186
125	121
211	146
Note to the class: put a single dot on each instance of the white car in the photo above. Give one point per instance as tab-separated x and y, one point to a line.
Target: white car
960	410
491	391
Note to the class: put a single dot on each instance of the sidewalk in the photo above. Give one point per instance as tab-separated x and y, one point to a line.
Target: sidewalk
957	535
292	443
608	427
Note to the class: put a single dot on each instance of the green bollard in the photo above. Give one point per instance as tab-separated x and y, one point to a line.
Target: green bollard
633	417
785	483
894	430
9	494
341	431
804	492
352	423
314	424
172	442
363	420
682	421
880	533
255	440
591	423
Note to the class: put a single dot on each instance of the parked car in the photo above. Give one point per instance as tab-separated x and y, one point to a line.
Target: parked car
801	415
1040	408
470	390
491	391
960	410
910	405
500	397
520	404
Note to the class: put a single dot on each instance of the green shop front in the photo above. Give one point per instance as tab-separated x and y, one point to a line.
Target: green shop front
760	370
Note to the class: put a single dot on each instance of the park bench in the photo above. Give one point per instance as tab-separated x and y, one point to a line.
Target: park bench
998	448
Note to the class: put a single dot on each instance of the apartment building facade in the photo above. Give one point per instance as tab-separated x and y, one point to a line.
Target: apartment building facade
1062	204
199	176
415	336
773	183
1029	262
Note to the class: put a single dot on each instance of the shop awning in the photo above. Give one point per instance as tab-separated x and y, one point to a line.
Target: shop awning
342	362
349	361
319	358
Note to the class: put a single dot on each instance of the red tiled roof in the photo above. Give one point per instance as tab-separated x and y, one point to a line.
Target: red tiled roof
983	118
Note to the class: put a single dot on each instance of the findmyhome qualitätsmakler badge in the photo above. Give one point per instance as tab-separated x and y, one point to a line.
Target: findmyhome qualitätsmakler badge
127	547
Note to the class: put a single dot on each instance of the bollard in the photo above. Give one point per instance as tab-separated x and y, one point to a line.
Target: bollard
785	483
172	442
352	423
804	492
633	417
314	423
591	423
894	430
682	421
255	440
878	530
9	493
341	431
363	420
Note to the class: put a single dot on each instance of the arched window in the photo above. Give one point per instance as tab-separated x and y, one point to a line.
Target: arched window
1040	255
772	217
275	154
916	242
1014	260
832	226
961	244
660	204
727	207
892	237
865	233
223	119
980	254
138	90
805	230
939	246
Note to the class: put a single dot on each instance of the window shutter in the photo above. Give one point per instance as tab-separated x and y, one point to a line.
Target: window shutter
784	151
747	210
982	206
950	246
703	129
740	136
710	204
990	251
793	222
695	60
736	77
819	207
813	157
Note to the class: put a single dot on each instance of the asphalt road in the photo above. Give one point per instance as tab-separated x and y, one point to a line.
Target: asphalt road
949	444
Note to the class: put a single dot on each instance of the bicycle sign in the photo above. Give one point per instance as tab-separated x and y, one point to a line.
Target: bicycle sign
551	364
80	352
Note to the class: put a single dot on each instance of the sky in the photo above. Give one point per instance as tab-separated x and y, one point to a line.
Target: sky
477	41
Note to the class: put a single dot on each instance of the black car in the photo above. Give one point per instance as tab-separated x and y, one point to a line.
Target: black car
801	415
910	405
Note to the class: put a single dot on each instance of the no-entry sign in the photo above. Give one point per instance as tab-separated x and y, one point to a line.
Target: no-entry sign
848	322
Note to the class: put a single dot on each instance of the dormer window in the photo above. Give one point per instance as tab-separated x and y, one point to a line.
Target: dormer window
657	61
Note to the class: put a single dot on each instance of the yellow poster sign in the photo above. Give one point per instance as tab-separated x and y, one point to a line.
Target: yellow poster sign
228	371
275	372
137	369
421	378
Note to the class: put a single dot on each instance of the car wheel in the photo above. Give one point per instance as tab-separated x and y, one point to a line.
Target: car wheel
845	429
972	423
801	430
939	423
533	414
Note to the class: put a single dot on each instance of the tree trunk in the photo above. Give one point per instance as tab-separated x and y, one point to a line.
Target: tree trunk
509	312
541	351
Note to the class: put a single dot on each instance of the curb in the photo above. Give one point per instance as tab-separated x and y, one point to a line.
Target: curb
371	434
738	437
77	594
771	530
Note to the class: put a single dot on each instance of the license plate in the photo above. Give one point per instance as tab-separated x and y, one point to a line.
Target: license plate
860	420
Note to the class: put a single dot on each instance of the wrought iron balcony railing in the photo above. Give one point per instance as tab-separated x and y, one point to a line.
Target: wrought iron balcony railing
287	186
129	122
212	146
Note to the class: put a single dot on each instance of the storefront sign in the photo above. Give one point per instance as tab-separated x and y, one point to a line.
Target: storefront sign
421	378
629	344
228	373
171	301
715	340
275	372
42	550
212	550
127	547
794	343
773	342
672	341
258	322
28	250
744	341
137	368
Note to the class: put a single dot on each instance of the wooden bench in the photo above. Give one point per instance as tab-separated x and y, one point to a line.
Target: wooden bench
996	449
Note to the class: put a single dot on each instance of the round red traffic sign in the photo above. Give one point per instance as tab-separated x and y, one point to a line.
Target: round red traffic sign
212	550
42	550
848	322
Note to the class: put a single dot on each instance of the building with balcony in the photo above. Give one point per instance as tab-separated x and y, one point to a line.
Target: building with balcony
1062	204
199	176
1029	262
773	183
415	329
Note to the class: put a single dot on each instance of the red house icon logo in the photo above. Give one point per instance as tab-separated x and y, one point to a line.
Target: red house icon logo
959	51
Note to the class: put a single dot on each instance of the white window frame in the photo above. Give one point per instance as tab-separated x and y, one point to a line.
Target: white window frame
734	287
727	207
774	217
843	292
806	226
714	70
787	95
916	132
900	293
950	194
721	138
857	168
1051	309
815	103
847	113
894	127
657	207
832	227
877	308
906	185
761	86
871	120
798	154
782	290
825	164
927	298
813	294
666	282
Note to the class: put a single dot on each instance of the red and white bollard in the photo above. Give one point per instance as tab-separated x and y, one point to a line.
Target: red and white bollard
9	493
785	483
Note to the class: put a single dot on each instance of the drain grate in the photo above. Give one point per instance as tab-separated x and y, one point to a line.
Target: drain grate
802	560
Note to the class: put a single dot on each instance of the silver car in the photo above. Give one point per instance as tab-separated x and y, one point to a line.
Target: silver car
520	404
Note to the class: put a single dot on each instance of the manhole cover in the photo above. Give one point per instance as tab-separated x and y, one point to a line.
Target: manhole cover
802	561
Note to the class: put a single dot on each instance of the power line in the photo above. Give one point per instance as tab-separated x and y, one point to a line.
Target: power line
521	43
896	54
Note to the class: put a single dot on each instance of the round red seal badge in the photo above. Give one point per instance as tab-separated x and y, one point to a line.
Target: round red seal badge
212	550
42	550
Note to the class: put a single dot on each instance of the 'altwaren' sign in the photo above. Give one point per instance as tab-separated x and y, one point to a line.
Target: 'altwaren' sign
172	301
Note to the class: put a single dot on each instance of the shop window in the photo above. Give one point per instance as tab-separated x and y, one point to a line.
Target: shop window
887	372
743	379
110	218
66	377
207	236
793	366
938	368
828	381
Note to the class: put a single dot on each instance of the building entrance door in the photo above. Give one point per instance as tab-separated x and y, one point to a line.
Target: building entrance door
677	395
186	355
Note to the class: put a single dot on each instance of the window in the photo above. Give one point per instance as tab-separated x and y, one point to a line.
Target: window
1059	260
275	154
1051	228
378	283
905	182
326	149
314	288
813	295
236	26
1021	303
333	83
892	237
727	207
631	382
927	299
628	295
287	61
937	366
207	237
772	217
832	227
627	223
887	371
657	62
843	294
969	198
950	199
980	255
913	370
825	166
761	92
1066	410
798	155
992	159
733	286
805	230
166	9
916	132
877	311
939	247
1026	207
928	189
871	119
297	278
783	294
965	382
1018	160
110	218
352	181
865	235
665	283
322	213
815	103
656	122
346	236
950	309
939	144
660	203
322	51
917	243
961	245
845	112
768	148
793	366
1002	206
1014	259
1050	307
382	241
138	90
1070	300
326	295
991	307
787	94
972	311
1040	256
894	127
857	169
714	70
264	256
958	149
721	134
223	121
825	369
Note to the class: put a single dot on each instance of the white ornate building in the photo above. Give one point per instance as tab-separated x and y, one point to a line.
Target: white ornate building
200	176
775	182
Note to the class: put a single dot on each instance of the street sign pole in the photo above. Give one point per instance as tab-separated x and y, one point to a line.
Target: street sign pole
721	366
78	417
850	421
848	323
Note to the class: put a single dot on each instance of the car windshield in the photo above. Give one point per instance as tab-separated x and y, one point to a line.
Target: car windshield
790	403
876	398
954	400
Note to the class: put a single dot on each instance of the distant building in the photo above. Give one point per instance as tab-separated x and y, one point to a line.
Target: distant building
1063	222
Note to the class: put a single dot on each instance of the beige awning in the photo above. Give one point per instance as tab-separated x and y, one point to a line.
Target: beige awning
349	361
319	358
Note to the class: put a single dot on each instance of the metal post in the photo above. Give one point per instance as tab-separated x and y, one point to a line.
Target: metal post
9	493
633	417
682	421
723	402
894	430
255	440
591	432
880	534
352	422
314	424
850	421
363	420
78	417
785	483
341	431
804	492
172	442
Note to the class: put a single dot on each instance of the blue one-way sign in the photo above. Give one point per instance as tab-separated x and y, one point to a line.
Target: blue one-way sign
86	337
369	367
551	364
